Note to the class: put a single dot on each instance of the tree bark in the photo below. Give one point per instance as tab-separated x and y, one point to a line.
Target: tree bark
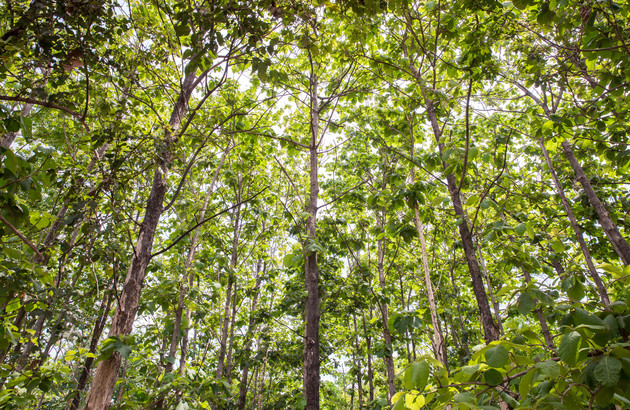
99	396
387	337
96	335
576	228
438	338
495	304
242	395
618	242
311	313
228	297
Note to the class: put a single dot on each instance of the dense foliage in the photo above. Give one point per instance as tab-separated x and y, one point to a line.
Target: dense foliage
336	204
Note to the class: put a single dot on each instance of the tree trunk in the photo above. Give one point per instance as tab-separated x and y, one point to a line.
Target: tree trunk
387	337
100	394
618	242
228	297
96	335
358	356
495	304
242	395
311	313
438	339
578	232
368	344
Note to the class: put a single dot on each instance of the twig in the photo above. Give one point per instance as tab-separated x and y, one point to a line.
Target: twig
22	237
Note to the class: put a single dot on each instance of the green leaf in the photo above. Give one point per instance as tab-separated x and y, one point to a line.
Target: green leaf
525	303
11	162
549	368
493	377
525	384
417	376
607	371
557	246
497	356
521	228
569	348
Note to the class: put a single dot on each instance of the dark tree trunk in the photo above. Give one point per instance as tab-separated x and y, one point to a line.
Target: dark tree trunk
618	242
104	380
578	232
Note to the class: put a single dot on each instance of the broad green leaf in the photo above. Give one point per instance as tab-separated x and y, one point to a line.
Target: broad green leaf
569	348
493	377
525	384
525	303
520	228
549	368
416	376
497	356
607	371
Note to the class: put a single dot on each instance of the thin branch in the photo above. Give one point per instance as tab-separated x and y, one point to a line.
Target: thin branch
22	237
182	236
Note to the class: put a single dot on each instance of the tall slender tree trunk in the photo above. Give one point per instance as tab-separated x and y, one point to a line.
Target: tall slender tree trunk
99	396
490	329
358	355
311	314
495	304
187	282
387	337
618	242
601	289
228	297
438	338
96	335
368	345
242	396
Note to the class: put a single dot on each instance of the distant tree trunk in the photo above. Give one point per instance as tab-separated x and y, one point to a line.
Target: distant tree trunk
387	337
459	310
311	314
242	396
578	232
495	304
358	356
438	339
99	396
228	297
368	344
618	242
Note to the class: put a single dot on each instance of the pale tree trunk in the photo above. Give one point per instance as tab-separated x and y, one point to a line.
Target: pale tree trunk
438	338
368	344
439	346
242	396
618	242
99	396
358	355
311	313
387	337
228	297
185	285
495	304
601	289
96	335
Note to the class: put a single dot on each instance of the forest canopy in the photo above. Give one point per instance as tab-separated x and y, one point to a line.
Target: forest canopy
323	204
